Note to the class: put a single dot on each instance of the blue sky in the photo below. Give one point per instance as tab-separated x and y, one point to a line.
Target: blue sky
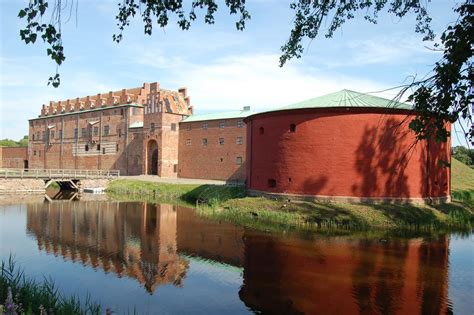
224	69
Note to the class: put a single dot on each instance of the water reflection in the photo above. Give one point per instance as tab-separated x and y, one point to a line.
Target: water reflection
342	276
137	240
282	274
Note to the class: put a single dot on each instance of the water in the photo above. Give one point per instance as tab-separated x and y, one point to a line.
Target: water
166	259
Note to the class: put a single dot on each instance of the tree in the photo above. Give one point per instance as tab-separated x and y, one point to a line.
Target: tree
12	143
464	155
444	96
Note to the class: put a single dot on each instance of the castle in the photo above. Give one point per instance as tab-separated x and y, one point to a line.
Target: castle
144	130
344	145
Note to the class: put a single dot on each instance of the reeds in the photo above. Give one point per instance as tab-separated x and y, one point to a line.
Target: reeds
22	295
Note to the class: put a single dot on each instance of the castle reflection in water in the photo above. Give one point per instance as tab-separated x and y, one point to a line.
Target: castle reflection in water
281	274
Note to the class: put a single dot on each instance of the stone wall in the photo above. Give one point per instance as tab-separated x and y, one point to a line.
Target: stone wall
21	185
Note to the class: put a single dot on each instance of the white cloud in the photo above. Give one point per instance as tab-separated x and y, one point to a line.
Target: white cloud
256	80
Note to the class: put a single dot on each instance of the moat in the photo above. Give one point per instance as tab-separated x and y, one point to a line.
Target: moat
164	258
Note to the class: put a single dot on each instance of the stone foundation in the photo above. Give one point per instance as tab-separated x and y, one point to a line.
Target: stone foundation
18	185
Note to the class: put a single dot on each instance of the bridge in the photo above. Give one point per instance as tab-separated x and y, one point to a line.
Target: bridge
66	178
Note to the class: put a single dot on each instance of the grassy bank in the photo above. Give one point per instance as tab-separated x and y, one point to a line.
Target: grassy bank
462	181
230	204
21	295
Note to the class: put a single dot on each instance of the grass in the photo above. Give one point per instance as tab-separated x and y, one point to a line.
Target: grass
22	295
124	189
230	204
462	181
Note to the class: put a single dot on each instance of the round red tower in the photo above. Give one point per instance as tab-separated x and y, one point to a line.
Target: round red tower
344	146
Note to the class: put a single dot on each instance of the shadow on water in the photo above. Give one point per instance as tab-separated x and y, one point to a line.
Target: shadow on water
158	245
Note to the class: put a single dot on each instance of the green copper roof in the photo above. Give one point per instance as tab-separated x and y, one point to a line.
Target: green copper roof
348	98
223	115
137	124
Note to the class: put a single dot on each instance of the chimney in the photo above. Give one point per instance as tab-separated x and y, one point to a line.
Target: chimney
183	91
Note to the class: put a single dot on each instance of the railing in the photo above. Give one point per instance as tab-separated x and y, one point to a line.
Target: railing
57	173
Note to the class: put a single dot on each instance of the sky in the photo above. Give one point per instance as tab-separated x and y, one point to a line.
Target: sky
223	68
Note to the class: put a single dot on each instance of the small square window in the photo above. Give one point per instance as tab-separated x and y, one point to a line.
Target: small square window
204	141
205	125
240	123
239	140
188	141
222	124
238	160
221	141
96	131
173	127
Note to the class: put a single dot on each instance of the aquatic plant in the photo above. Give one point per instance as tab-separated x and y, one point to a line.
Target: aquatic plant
22	295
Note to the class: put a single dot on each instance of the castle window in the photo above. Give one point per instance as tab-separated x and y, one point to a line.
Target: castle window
188	142
175	168
238	160
173	127
272	183
240	123
34	152
261	130
152	127
205	125
33	137
117	147
98	147
52	134
87	147
221	141
121	111
103	150
96	131
239	140
204	141
292	128
222	124
119	132
106	130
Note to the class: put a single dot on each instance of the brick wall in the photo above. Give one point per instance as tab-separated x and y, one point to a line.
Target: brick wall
13	157
213	160
94	139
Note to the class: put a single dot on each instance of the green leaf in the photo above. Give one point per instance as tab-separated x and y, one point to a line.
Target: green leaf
22	14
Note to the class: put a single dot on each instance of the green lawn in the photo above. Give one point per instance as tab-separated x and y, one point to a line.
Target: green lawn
230	204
